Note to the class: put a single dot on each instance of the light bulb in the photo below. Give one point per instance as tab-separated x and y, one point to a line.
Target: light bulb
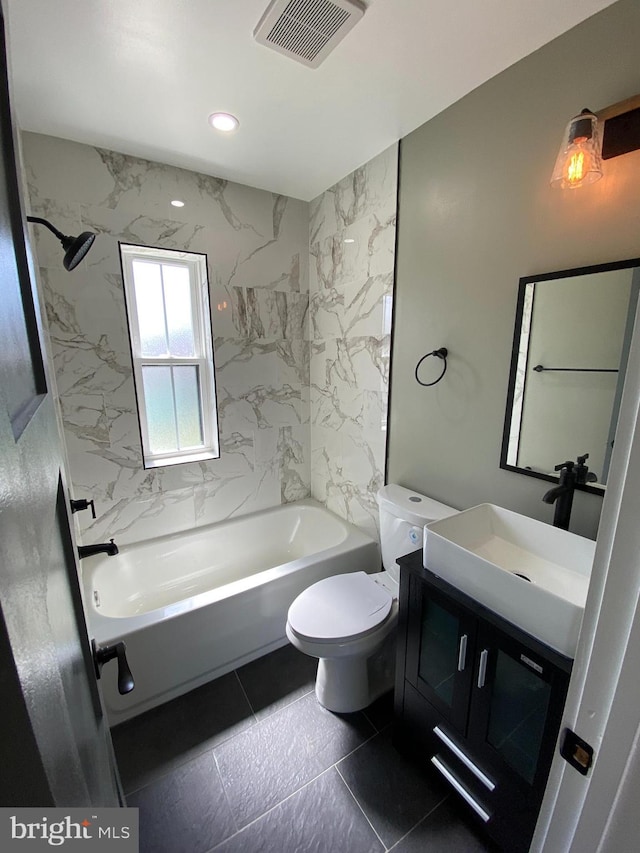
224	122
579	160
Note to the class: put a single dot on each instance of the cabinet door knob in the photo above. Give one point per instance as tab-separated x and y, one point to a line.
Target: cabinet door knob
482	669
462	653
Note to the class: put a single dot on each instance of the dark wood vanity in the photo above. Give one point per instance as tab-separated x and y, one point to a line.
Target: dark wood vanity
477	699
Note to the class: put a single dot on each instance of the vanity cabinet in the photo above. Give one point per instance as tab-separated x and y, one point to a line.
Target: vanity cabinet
479	700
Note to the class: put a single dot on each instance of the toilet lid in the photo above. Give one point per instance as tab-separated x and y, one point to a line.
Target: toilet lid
340	607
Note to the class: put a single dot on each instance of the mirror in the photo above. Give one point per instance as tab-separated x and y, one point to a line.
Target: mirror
571	343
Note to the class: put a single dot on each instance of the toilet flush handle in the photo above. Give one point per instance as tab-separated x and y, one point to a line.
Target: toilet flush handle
415	535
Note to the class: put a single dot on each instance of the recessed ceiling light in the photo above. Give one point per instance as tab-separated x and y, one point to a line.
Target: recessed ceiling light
349	240
224	122
177	203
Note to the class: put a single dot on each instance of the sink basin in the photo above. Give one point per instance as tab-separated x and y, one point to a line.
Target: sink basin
530	573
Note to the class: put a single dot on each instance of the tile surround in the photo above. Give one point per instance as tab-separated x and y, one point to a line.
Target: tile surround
350	298
301	324
257	248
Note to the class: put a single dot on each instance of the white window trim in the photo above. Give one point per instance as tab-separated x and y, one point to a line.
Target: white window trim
197	264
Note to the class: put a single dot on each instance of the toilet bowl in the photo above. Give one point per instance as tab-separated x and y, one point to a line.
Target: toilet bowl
348	621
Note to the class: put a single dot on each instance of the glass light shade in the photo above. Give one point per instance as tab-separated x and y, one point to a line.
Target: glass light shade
579	161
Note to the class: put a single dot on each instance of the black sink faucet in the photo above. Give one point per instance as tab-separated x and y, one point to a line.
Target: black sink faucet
109	548
583	474
562	495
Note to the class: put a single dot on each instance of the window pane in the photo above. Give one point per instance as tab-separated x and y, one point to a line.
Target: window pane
149	302
189	416
177	294
161	420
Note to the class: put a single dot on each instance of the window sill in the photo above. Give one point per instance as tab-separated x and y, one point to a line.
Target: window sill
204	456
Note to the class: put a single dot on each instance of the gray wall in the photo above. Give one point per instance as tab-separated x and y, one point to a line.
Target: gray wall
476	213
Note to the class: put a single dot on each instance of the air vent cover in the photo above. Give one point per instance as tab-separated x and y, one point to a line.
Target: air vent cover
307	30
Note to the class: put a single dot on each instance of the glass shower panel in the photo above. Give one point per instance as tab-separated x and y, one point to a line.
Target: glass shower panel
150	308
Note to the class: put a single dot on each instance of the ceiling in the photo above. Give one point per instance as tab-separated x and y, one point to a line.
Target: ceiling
142	76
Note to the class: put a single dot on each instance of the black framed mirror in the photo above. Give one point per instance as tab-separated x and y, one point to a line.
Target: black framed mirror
571	343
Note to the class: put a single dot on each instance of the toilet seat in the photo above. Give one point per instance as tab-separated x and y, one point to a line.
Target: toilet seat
340	608
349	622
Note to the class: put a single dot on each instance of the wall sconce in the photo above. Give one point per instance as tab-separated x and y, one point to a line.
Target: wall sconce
591	138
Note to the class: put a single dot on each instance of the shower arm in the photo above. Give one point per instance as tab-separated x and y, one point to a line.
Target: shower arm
37	219
75	248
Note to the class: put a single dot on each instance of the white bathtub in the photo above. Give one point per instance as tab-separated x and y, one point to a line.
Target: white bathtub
193	606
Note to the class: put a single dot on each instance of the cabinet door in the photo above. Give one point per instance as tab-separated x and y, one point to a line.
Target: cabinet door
516	706
440	649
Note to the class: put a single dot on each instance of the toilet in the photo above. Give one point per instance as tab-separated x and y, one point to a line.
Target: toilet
348	621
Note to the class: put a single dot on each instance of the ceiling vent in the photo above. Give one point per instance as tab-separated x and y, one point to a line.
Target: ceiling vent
307	30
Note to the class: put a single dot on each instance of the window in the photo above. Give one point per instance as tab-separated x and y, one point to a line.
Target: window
167	301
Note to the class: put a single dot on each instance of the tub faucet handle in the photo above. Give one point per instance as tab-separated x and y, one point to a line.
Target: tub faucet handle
80	504
103	654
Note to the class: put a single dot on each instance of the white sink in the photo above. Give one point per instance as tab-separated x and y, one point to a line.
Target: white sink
480	550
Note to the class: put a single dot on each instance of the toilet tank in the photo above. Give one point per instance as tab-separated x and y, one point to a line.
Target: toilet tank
403	515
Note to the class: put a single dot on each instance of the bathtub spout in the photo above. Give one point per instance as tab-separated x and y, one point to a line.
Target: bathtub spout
109	548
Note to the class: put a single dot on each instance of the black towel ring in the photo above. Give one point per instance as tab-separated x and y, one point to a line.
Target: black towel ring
439	353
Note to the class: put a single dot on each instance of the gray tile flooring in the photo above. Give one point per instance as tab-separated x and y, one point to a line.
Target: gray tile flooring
251	763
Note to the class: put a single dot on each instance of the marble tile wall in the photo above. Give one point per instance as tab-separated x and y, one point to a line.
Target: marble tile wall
301	298
257	248
352	250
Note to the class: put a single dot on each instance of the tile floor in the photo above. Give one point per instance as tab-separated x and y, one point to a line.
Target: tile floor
251	763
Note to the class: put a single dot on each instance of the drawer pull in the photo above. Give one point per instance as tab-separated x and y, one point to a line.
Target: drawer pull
448	775
482	669
462	653
455	749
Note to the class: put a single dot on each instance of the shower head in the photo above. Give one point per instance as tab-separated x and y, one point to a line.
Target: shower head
75	248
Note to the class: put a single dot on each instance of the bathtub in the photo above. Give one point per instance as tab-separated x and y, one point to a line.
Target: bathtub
192	606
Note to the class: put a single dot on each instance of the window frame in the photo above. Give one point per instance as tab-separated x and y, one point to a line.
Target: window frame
203	359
